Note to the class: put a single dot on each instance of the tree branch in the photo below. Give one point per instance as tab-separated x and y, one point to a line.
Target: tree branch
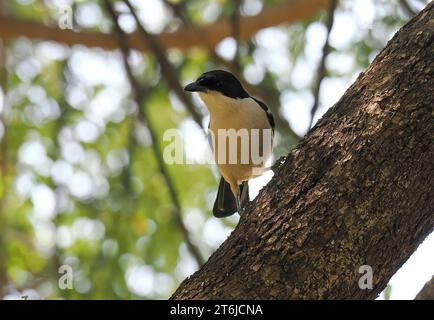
281	123
3	165
232	66
178	10
356	191
167	70
139	95
3	171
183	39
427	292
236	32
408	9
321	67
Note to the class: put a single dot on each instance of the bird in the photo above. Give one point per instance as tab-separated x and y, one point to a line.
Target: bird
233	111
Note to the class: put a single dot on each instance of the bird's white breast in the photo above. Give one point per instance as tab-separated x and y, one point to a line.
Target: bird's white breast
228	113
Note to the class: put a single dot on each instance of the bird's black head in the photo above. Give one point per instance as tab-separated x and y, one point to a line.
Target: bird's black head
220	81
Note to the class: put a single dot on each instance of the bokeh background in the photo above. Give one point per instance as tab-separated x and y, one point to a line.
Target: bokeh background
81	180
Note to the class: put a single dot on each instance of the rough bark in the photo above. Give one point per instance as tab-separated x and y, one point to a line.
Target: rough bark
358	190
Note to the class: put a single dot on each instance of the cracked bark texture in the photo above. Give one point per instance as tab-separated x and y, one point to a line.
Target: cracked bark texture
358	190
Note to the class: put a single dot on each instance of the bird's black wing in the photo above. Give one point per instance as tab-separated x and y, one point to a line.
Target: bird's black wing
269	114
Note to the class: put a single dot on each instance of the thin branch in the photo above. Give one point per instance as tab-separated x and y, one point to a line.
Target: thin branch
281	123
131	150
139	96
178	10
407	8
185	38
234	67
3	172
3	165
236	32
59	124
167	70
321	67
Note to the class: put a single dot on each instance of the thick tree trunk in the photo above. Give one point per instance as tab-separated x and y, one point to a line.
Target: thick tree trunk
358	190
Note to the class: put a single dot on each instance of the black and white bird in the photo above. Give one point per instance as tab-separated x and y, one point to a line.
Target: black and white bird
231	107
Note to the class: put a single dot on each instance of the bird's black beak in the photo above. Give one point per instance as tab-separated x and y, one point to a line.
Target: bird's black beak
194	87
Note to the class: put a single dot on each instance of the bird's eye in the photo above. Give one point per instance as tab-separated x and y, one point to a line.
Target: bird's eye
203	81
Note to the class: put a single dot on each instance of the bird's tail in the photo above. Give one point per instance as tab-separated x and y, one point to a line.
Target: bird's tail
225	203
